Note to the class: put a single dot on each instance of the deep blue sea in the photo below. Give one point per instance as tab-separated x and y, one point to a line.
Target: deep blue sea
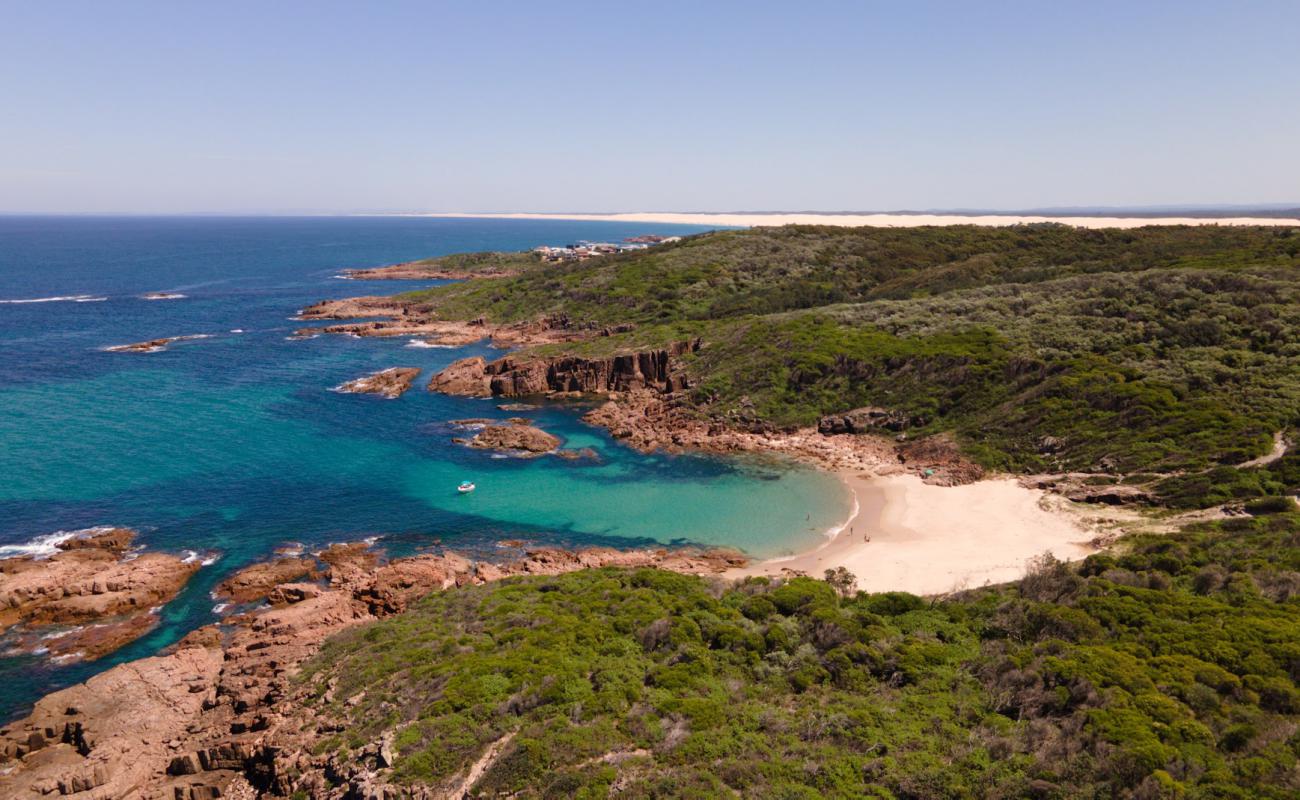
231	445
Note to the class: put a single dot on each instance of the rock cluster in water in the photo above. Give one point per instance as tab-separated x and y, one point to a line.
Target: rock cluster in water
390	383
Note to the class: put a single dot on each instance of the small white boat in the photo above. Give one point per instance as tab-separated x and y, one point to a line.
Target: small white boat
466	487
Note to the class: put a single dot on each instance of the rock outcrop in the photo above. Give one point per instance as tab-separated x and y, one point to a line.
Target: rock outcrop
154	345
938	460
1086	488
255	582
516	437
871	419
390	383
90	581
464	378
113	735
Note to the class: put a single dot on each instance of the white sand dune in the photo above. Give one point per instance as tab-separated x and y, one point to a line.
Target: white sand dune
748	220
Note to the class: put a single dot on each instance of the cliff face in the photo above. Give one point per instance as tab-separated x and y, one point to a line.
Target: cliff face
655	370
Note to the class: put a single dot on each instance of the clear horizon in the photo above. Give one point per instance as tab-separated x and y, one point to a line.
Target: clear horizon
336	108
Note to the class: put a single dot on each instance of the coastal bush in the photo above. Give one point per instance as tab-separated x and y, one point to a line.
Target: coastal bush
1164	350
1169	666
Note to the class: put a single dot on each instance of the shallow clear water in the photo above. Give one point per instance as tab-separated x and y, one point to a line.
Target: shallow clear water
235	444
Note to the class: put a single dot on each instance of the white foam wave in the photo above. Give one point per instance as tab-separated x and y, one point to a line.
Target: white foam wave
220	608
836	530
236	330
421	343
206	560
72	298
47	545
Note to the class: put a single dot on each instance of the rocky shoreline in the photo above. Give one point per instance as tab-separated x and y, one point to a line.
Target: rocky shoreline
646	408
221	715
422	271
391	317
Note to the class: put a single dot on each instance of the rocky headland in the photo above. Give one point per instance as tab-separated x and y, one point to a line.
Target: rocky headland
390	383
396	316
222	714
93	587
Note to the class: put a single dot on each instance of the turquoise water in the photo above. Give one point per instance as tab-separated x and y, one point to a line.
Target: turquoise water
234	444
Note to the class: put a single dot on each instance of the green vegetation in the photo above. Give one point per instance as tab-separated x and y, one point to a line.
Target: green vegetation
489	262
1166	669
1173	351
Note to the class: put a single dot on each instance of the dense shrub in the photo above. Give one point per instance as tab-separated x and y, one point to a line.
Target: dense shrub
1168	669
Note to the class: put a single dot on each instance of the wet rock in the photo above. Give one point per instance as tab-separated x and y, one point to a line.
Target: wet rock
154	345
584	454
114	540
90	581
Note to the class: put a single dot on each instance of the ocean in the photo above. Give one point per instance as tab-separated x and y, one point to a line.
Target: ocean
227	446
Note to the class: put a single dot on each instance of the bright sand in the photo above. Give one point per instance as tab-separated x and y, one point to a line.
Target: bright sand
879	220
905	535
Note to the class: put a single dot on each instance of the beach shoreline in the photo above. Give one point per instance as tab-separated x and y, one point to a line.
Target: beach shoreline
907	535
750	220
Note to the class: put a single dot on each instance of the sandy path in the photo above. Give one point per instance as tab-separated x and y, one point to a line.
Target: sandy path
909	536
1280	446
879	220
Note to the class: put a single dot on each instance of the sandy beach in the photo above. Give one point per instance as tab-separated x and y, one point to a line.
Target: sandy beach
750	220
906	535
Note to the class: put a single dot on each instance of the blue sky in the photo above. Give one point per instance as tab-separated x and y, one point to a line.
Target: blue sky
607	106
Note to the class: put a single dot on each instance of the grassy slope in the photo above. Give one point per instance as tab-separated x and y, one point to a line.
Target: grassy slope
479	262
1160	349
1167	669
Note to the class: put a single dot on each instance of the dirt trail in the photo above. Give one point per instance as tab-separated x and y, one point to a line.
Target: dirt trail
1280	445
481	766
